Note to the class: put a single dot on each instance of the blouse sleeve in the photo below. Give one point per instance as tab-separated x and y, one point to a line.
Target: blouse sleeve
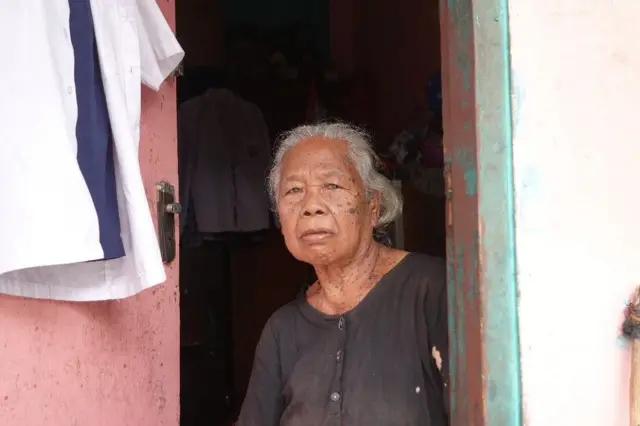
264	402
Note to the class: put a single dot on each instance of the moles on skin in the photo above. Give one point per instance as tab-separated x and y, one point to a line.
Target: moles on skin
329	198
327	220
324	215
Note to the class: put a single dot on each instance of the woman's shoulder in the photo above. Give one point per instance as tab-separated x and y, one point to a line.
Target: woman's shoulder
284	318
419	275
423	265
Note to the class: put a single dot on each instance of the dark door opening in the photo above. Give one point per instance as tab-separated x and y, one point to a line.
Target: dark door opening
374	64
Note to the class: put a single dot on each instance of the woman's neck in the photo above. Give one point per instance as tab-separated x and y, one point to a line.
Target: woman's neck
341	287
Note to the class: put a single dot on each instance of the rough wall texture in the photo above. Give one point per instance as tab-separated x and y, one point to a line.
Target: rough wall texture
576	159
100	364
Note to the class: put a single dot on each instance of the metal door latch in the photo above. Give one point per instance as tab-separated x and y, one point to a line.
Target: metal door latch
167	208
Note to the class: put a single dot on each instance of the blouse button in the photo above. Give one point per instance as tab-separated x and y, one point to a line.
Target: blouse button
335	397
341	324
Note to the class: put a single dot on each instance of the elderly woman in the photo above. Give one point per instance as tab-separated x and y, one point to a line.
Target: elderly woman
366	344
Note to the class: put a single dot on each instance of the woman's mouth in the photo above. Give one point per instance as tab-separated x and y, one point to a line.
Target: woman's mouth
313	235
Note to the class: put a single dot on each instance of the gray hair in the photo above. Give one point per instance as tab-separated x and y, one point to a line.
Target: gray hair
361	153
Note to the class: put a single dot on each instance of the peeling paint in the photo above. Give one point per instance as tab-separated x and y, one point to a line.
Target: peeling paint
466	159
460	13
482	293
496	218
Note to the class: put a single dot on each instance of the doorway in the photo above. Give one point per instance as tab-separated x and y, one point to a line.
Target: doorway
379	67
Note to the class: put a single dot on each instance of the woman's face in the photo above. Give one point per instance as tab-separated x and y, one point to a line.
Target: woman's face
324	214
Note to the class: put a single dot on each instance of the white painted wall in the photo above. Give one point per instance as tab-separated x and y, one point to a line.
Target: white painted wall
576	87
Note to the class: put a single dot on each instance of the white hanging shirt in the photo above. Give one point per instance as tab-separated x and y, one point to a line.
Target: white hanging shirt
49	235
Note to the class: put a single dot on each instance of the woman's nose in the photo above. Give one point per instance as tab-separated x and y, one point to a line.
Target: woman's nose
313	205
313	212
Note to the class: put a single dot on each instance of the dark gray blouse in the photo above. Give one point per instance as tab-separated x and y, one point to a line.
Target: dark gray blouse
372	366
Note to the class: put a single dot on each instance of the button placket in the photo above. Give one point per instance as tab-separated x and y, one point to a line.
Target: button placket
335	397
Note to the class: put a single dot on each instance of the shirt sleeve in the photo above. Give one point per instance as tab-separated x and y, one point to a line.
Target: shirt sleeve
437	325
160	52
263	404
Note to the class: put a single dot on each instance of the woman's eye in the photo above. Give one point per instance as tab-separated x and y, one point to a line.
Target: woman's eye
333	186
293	190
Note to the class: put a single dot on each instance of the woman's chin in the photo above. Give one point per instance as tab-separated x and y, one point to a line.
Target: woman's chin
318	255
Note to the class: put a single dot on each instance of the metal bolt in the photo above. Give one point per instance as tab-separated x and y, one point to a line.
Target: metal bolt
173	208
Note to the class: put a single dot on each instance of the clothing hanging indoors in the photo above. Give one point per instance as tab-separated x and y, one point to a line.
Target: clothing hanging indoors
224	152
76	223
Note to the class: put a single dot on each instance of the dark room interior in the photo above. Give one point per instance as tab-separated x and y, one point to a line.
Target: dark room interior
372	63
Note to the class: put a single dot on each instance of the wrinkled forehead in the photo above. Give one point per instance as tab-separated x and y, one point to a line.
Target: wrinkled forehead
318	155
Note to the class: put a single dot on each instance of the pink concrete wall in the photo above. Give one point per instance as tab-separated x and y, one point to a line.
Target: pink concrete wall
577	167
100	364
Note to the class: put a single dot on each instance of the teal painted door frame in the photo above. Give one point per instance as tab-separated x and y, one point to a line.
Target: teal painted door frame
484	352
